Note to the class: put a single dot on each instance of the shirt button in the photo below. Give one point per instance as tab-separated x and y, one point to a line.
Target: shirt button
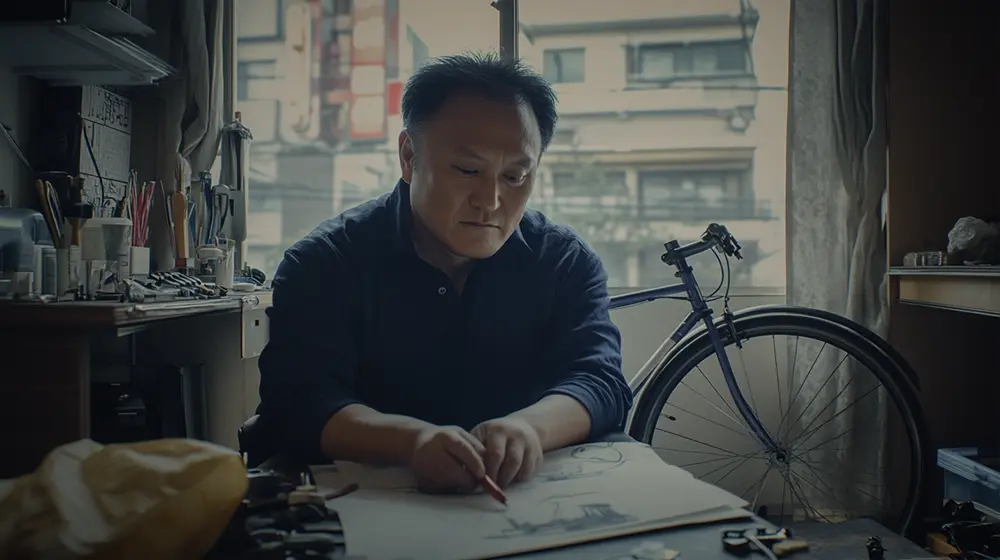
442	291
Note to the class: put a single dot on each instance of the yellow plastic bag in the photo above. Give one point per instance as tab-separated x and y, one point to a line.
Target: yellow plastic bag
161	499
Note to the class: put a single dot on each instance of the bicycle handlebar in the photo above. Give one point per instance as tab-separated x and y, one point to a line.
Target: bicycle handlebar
716	235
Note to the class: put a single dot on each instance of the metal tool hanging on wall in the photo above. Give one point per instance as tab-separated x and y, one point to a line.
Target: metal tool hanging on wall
235	172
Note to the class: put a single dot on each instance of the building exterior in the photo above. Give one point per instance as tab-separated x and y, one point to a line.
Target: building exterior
665	123
318	83
660	131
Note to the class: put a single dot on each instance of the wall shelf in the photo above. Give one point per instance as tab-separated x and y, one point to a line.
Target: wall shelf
78	55
969	289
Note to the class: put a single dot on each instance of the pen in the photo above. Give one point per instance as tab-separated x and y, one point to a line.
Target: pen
494	490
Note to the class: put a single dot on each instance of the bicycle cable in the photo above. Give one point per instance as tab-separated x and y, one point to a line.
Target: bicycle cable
724	279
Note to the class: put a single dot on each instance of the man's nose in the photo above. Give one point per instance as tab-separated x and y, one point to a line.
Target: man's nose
486	195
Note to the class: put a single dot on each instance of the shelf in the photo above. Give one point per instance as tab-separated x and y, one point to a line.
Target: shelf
77	55
969	289
97	15
102	17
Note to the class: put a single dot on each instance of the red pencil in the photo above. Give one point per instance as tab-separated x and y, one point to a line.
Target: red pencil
494	490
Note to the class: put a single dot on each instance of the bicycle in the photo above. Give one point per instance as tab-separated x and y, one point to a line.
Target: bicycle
678	356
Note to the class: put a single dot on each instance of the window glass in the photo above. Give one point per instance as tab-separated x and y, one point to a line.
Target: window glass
683	125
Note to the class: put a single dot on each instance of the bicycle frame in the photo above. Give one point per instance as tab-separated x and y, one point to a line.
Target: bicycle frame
700	311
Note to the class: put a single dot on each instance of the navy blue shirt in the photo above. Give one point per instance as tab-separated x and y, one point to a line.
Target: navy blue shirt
358	317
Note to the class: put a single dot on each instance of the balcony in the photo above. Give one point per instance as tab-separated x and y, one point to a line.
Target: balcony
576	101
683	210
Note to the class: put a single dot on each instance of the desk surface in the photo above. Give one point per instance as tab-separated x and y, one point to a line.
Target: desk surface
97	314
836	541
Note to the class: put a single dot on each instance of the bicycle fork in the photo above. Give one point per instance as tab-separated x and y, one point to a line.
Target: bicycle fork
744	408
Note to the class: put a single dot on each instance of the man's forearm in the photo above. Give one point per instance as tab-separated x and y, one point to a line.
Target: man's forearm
362	434
560	420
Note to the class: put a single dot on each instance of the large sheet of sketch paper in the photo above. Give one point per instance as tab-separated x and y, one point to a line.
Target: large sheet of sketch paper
585	493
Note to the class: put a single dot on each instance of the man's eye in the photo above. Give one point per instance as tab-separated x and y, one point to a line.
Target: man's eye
465	171
516	179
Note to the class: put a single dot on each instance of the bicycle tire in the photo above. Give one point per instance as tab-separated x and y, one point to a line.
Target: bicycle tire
883	346
791	321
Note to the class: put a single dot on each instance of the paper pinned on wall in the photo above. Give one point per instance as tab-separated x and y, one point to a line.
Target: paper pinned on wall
585	493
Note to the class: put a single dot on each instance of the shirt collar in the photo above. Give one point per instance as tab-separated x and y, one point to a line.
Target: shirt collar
399	203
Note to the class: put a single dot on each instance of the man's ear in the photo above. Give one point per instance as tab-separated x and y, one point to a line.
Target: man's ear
407	155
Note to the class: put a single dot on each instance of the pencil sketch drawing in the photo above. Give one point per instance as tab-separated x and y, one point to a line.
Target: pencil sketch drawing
589	518
588	461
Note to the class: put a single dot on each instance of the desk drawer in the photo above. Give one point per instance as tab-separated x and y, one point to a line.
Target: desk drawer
255	325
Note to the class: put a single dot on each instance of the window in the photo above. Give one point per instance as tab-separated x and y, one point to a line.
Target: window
325	125
661	62
563	66
253	78
630	169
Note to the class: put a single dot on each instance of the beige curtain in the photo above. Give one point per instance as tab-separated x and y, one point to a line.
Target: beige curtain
836	241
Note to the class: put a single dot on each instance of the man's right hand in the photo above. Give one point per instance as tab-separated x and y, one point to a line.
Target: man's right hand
447	460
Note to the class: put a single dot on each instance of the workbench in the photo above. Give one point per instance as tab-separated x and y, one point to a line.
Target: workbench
48	355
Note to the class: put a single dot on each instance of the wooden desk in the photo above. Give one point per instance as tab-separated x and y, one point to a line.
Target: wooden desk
46	359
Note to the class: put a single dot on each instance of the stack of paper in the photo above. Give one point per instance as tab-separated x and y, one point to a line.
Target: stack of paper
590	492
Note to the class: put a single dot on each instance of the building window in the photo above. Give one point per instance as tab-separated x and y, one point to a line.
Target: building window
342	7
697	195
563	66
651	63
259	19
253	76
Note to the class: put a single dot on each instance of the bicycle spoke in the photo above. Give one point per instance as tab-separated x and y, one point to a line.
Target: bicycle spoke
709	453
709	420
816	416
713	405
721	398
802	495
760	489
695	464
730	471
803	384
818	391
695	441
832	418
842	434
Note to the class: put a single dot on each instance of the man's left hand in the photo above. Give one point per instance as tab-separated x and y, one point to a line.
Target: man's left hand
513	449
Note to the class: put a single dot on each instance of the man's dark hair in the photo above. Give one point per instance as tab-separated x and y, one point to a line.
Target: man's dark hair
483	74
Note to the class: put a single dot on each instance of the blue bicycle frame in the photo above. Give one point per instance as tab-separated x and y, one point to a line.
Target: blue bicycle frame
700	311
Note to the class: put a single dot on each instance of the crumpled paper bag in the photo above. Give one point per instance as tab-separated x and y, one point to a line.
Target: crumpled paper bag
160	499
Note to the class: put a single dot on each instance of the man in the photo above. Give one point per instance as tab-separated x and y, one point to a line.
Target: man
443	326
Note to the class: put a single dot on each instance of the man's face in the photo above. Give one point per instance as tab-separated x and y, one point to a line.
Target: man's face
471	170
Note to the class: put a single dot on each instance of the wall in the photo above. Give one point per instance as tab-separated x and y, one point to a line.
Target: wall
17	110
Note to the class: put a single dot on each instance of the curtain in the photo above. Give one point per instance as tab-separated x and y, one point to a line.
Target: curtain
837	245
188	107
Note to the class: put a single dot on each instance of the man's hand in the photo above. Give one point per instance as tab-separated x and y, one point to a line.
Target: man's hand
447	460
513	449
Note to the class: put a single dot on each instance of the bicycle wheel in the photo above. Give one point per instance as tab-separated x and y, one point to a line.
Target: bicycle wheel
687	401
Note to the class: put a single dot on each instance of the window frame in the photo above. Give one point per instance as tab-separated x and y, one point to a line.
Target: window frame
633	61
560	68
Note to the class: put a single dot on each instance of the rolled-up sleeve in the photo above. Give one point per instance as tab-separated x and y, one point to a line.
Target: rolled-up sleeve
309	368
585	353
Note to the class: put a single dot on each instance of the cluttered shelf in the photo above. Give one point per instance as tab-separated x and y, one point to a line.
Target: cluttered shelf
970	289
